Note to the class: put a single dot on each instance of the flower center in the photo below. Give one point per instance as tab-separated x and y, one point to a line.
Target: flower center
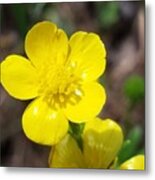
59	85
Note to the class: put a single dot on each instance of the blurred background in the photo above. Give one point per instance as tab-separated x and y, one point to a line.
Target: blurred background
121	27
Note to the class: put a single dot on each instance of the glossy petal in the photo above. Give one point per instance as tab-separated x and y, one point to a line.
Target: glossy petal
88	54
90	104
135	163
66	154
19	77
45	43
42	124
102	140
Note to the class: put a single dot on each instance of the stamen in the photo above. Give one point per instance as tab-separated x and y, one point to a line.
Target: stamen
78	92
61	98
59	85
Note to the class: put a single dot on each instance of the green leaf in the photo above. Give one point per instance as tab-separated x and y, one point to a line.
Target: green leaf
76	130
21	17
108	14
134	88
131	145
142	151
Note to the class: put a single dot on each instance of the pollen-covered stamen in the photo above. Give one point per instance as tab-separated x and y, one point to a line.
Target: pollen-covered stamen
59	85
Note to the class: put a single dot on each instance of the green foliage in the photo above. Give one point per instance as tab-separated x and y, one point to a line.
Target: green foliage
134	88
21	17
76	130
108	14
51	13
36	11
0	15
131	145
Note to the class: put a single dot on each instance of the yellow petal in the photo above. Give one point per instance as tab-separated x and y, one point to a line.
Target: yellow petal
89	106
19	77
45	43
66	154
102	140
135	163
42	124
88	54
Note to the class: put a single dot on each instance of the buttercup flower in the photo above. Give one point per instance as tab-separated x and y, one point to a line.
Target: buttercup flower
102	139
61	75
134	163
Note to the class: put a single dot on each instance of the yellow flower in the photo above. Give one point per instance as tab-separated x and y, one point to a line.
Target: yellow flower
102	139
62	75
134	163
